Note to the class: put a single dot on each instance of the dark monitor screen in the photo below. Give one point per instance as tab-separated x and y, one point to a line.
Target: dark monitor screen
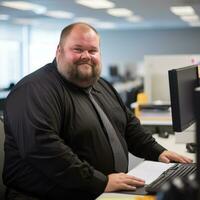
182	82
113	71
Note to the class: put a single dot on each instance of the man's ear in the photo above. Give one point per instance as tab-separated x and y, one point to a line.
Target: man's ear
58	48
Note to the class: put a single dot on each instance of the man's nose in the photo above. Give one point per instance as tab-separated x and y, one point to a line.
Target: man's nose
85	54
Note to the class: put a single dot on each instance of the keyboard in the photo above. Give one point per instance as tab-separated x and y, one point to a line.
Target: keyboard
177	170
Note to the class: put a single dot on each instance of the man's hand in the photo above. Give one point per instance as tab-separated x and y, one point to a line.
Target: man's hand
122	181
169	156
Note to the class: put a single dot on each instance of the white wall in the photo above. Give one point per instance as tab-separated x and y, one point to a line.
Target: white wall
156	83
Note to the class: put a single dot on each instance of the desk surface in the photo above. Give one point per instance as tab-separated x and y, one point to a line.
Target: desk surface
115	196
169	144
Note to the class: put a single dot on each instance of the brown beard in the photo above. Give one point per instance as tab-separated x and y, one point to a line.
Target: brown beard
74	74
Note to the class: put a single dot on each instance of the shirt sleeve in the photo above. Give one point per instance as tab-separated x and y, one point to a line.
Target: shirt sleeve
34	116
140	142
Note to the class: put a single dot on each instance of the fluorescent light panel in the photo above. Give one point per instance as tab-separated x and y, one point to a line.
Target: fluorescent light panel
182	10
195	24
25	21
98	4
134	18
22	5
190	18
105	25
120	12
59	14
86	19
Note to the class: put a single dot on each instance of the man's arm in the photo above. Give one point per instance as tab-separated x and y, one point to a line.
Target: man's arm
140	142
146	144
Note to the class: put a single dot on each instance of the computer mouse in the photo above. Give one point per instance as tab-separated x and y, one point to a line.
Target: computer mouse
191	147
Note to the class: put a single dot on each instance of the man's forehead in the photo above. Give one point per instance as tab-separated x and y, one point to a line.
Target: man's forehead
83	33
83	30
83	27
80	36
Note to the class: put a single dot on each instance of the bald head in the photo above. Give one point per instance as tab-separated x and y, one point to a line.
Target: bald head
80	26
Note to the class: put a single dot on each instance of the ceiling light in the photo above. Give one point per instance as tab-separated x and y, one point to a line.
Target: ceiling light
25	21
120	12
195	24
22	5
105	25
99	4
190	18
4	17
182	10
134	18
86	19
59	14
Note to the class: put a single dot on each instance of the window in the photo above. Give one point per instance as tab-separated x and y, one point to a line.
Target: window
10	52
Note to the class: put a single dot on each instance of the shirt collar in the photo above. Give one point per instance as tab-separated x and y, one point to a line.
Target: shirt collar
96	88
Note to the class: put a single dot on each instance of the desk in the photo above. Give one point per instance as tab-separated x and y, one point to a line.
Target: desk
115	196
169	144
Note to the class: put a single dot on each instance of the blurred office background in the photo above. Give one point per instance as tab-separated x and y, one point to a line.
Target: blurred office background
133	32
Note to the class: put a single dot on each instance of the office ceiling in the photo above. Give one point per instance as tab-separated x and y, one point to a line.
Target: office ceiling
154	13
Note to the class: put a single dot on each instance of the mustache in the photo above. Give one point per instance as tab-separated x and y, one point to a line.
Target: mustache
84	62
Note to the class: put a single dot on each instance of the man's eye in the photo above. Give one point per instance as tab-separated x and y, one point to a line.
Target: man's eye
78	50
93	51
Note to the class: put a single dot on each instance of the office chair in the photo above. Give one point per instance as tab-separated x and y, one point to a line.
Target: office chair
2	138
131	96
141	99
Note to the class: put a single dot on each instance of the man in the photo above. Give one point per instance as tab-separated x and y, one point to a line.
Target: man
57	145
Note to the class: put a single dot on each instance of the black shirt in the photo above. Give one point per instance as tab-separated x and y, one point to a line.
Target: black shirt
56	146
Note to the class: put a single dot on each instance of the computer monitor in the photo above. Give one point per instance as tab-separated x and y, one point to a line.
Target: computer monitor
185	98
113	71
182	82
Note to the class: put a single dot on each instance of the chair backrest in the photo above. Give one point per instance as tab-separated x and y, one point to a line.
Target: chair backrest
141	99
2	138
